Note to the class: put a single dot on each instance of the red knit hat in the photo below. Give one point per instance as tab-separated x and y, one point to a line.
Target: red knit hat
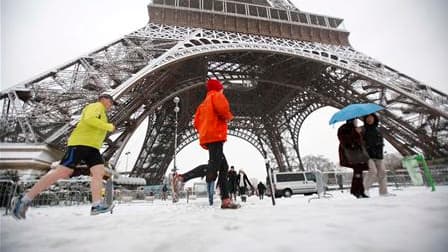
213	84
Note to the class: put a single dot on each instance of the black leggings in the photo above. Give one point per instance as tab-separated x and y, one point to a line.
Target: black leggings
198	171
242	190
357	187
217	162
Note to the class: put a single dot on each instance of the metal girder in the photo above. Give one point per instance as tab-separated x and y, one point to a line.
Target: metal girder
273	84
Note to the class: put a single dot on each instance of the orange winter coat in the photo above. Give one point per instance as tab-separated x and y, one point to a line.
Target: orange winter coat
211	117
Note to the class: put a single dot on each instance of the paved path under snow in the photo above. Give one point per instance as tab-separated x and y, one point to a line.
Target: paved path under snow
415	220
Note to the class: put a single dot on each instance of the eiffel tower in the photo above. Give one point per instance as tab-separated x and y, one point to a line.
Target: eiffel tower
278	64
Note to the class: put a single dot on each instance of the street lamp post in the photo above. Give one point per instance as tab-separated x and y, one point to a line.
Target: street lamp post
271	182
176	101
127	159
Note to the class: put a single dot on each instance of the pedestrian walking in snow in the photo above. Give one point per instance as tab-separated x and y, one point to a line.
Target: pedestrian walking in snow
340	181
232	177
374	144
243	182
261	189
353	155
164	192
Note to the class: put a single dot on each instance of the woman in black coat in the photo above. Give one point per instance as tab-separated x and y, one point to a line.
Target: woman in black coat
350	139
242	182
261	189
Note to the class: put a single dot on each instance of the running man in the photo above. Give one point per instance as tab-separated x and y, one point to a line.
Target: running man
83	146
210	120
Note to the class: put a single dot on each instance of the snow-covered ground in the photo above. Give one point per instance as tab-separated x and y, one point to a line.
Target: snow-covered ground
415	220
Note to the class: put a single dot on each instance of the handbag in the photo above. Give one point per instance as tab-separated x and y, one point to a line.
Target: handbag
357	155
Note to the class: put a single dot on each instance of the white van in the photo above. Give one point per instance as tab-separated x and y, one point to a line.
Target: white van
289	183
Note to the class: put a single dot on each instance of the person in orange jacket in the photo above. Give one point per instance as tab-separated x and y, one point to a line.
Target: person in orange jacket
210	120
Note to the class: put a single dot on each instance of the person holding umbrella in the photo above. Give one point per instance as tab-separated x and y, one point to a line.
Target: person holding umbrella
352	151
374	145
353	111
352	155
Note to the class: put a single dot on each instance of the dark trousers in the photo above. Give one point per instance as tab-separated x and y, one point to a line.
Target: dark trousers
217	162
242	190
197	172
357	187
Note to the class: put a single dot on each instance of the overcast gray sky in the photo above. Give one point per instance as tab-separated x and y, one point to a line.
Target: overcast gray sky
408	35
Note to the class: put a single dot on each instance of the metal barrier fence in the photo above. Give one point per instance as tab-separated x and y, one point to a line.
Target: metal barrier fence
64	193
68	193
8	189
439	174
398	177
76	192
62	198
127	195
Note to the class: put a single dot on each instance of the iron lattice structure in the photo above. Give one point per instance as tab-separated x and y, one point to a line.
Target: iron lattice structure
278	64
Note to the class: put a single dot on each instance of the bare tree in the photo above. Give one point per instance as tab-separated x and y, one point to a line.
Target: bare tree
317	162
10	175
392	161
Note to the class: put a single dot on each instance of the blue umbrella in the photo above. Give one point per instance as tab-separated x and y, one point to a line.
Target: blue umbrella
355	110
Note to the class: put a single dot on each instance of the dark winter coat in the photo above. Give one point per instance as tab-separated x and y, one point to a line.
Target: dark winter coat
261	188
245	181
349	138
373	139
232	177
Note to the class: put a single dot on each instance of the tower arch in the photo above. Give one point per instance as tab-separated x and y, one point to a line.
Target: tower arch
274	79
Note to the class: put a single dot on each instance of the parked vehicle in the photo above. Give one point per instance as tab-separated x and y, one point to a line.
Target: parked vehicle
289	183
